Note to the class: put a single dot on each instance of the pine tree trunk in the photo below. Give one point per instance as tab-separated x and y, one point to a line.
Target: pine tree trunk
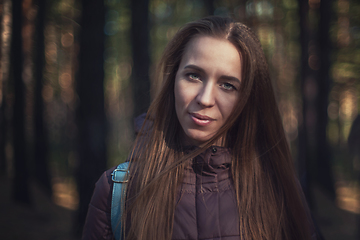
21	175
209	6
140	52
3	80
91	119
41	139
325	175
303	152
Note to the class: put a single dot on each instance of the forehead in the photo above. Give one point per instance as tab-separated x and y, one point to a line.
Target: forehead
203	41
212	53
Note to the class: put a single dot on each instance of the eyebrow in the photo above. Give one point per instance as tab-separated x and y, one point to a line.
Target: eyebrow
197	68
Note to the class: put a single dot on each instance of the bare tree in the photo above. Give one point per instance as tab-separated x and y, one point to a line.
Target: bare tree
314	154
324	173
140	52
209	6
91	119
21	173
303	156
4	79
41	139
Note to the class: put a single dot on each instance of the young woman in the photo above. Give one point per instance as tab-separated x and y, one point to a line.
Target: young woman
211	160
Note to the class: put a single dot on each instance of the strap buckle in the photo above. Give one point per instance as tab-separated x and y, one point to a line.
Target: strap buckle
122	173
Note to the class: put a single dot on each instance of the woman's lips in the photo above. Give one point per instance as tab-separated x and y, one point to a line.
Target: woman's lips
201	120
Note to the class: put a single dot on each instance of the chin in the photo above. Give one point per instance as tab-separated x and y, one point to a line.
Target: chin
196	138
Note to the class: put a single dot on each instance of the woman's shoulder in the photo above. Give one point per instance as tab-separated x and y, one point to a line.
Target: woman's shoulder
98	220
102	195
105	178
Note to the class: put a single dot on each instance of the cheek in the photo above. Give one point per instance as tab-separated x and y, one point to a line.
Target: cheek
179	98
177	95
182	95
227	107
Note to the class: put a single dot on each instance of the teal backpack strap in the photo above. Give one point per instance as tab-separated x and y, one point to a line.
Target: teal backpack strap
118	176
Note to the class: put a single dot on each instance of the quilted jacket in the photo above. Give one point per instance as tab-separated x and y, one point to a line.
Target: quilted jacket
206	207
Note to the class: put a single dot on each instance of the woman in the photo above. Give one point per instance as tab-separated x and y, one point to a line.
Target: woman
211	160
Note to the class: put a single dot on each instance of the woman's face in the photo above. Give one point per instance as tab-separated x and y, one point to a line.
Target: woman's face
207	87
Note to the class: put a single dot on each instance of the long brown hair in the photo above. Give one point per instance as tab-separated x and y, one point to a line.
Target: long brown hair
267	194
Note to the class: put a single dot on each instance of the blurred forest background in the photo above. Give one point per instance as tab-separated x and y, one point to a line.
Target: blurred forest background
74	74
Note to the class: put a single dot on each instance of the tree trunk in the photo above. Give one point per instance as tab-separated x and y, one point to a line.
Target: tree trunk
324	173
3	134
41	139
315	84
91	119
209	6
21	175
4	76
303	152
140	52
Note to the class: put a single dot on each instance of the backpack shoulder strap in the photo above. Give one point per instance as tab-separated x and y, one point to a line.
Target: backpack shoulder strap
119	177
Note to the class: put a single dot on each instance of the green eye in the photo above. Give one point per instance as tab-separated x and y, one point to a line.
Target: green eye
194	76
228	86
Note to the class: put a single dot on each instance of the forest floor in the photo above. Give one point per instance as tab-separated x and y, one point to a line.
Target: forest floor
44	220
47	221
334	222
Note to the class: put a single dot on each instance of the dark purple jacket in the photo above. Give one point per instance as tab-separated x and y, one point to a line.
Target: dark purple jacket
206	206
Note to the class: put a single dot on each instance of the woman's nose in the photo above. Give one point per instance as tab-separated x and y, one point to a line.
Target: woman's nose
206	95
